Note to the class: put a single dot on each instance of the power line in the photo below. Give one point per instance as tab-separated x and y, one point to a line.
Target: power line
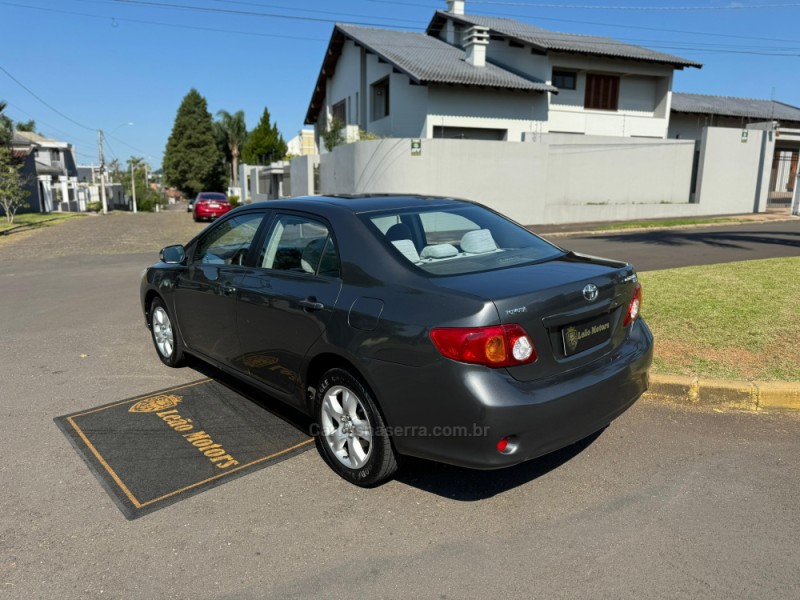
134	148
229	11
51	107
652	44
602	24
161	24
733	6
49	125
319	12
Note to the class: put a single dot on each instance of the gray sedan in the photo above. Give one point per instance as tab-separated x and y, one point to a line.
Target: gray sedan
406	326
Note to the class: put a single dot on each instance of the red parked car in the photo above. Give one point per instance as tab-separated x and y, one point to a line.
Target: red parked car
210	205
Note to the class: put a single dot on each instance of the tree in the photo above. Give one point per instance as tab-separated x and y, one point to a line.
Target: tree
231	129
12	185
265	144
26	126
192	162
6	126
334	135
115	170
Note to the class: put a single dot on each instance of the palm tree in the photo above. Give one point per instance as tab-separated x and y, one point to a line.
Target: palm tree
6	126
115	169
234	130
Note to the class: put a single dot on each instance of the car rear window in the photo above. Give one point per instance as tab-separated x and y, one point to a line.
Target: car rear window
211	196
459	240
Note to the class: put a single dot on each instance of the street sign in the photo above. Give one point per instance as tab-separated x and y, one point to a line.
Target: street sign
416	147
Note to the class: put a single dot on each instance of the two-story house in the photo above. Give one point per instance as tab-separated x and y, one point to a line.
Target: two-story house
50	170
478	77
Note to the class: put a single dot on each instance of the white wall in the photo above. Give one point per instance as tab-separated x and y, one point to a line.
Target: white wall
728	176
302	174
553	181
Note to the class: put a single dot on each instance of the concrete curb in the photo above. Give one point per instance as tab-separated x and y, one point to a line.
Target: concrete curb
743	395
557	234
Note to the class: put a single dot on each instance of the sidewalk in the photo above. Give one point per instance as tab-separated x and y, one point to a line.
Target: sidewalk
773	215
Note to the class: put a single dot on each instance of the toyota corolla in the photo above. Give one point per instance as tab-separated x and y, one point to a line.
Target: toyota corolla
406	326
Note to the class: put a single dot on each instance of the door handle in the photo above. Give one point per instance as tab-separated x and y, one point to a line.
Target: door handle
228	289
311	304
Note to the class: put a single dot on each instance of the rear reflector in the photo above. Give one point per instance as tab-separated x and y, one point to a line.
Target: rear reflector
502	445
495	346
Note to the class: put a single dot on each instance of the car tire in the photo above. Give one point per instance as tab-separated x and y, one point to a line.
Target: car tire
168	345
352	435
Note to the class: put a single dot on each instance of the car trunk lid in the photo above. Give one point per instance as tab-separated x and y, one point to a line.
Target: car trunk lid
572	307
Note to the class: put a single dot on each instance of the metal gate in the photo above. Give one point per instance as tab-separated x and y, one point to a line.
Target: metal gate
782	178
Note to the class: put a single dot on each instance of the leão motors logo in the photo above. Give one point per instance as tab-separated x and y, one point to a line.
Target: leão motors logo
155	404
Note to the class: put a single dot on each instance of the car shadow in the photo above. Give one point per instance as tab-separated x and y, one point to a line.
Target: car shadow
718	239
272	405
455	483
469	485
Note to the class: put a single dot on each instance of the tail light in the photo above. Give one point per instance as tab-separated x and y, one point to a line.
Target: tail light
496	346
635	307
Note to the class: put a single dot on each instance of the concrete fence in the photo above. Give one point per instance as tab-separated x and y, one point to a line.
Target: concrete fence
558	178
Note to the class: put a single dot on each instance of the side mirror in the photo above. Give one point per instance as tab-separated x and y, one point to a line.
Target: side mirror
172	255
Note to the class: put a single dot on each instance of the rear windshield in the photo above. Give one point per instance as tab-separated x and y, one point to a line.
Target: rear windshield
458	240
211	196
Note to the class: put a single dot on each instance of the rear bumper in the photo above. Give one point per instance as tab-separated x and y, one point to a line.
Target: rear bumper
202	212
458	416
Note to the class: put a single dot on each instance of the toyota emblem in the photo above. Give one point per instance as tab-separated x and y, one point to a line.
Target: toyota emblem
590	292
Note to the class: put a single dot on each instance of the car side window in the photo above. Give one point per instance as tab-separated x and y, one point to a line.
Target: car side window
228	242
300	245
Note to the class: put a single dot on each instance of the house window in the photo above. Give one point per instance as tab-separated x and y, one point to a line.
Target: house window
513	44
380	99
565	80
55	156
339	111
602	92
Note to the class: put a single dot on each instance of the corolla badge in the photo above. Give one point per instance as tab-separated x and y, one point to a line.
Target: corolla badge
590	292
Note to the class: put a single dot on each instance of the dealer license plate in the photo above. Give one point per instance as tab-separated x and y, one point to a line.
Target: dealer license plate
582	336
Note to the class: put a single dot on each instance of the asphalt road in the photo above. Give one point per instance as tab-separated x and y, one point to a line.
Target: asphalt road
666	503
651	250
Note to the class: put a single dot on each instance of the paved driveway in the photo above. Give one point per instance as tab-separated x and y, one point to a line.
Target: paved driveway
666	503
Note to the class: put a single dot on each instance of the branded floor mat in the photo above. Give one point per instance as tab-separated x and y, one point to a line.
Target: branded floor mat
151	451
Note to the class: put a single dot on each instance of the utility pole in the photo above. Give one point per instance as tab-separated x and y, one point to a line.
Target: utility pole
133	188
102	171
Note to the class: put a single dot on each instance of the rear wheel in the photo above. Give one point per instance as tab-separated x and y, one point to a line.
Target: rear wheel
352	436
168	346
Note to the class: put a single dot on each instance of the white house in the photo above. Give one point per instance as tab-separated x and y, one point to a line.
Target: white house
477	77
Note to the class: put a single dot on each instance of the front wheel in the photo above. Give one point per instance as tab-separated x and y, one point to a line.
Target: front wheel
352	434
168	346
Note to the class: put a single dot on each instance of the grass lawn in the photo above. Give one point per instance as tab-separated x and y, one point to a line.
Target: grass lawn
670	223
35	220
736	320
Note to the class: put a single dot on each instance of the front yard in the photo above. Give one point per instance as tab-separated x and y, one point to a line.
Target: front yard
735	320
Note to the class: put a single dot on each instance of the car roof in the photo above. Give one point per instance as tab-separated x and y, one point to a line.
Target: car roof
367	202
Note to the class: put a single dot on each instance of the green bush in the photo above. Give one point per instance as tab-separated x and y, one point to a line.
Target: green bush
234	201
148	201
94	207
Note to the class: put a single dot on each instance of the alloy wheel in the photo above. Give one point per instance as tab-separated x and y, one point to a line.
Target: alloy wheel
346	427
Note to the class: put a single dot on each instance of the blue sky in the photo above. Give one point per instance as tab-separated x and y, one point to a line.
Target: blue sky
107	63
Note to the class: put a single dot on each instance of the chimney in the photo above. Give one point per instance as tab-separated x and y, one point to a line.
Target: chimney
475	42
455	7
